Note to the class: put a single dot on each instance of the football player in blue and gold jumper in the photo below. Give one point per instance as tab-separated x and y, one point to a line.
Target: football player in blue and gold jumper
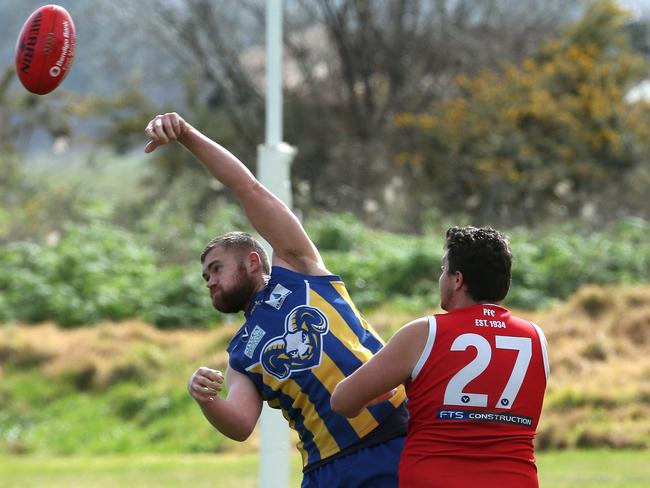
302	334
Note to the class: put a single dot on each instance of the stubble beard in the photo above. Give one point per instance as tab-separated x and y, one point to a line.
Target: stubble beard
238	297
445	299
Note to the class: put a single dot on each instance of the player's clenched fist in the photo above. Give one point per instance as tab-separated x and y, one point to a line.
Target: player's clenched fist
205	384
163	129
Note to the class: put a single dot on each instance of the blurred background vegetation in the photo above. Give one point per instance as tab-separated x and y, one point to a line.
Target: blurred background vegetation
409	116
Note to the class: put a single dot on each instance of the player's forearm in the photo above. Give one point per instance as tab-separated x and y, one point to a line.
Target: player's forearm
345	400
268	215
223	165
260	205
227	419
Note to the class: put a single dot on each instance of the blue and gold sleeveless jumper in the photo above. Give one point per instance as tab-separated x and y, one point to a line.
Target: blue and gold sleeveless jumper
302	336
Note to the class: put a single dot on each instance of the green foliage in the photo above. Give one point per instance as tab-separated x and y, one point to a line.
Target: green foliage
94	272
177	297
550	264
335	232
97	271
127	418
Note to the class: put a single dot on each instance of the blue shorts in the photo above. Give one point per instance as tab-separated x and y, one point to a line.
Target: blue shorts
372	467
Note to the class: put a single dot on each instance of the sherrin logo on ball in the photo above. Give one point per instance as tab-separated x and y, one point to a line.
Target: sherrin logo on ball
45	49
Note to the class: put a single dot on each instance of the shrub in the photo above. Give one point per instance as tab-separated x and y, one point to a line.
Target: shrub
98	271
177	297
94	272
336	232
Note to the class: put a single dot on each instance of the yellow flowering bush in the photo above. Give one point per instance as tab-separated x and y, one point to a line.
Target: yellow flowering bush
544	139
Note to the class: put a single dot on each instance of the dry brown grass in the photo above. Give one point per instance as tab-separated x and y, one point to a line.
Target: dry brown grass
100	356
599	346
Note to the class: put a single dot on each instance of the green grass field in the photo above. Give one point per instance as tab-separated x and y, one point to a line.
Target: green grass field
584	469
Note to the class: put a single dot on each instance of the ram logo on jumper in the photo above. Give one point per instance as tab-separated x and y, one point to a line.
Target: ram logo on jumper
300	347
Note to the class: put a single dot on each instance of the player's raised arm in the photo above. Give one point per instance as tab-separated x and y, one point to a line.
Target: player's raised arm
270	217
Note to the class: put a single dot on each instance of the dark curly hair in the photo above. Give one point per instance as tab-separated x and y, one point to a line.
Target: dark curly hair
241	242
484	257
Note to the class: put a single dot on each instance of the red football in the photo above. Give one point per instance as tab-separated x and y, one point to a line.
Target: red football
45	49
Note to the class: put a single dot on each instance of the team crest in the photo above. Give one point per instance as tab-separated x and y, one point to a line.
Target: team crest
300	347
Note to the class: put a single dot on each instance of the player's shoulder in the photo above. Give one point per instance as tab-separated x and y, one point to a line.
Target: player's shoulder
410	335
417	327
524	322
305	265
293	276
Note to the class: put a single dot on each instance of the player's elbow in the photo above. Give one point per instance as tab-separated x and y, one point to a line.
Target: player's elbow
341	404
235	428
239	436
239	433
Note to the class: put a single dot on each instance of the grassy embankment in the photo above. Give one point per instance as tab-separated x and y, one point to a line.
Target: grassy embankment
120	389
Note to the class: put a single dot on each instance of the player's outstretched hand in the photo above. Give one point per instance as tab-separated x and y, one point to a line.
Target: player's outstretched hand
205	384
163	129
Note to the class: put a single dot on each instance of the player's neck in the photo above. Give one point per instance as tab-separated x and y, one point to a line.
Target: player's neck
463	300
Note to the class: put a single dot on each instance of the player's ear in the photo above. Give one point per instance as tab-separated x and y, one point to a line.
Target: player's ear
254	262
459	280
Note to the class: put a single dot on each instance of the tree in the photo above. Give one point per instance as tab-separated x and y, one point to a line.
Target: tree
22	114
544	140
375	59
350	65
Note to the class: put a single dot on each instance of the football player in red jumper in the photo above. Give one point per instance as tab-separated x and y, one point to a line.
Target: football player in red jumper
475	376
